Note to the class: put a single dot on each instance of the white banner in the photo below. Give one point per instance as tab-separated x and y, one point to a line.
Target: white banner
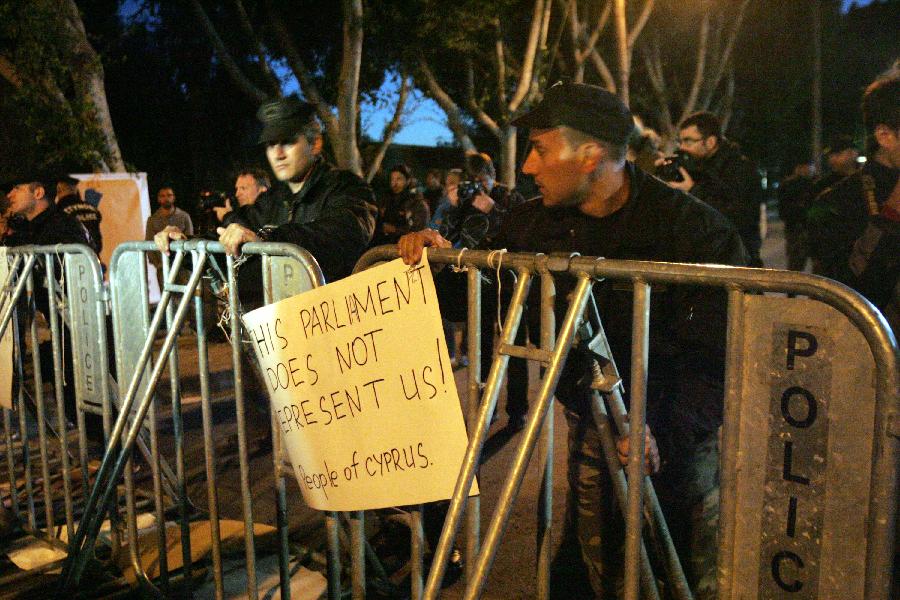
361	385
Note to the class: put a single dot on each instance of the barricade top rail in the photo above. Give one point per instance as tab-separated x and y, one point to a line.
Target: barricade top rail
280	249
857	308
59	249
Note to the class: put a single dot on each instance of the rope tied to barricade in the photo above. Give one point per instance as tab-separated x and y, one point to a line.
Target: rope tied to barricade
490	259
459	268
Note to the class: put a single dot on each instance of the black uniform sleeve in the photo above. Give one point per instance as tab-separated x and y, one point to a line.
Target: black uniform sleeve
341	233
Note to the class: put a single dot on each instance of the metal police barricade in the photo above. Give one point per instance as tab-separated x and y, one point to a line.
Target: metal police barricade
796	457
71	296
285	271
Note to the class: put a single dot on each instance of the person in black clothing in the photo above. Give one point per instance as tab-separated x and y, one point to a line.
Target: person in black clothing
68	201
793	200
722	177
434	190
40	222
328	211
401	210
857	220
594	202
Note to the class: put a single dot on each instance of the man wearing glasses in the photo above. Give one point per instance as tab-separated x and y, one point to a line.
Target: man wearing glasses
722	177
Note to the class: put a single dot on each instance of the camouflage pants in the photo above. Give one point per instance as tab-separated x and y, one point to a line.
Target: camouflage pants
589	561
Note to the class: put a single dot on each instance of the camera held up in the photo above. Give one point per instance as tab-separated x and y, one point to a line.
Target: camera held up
669	170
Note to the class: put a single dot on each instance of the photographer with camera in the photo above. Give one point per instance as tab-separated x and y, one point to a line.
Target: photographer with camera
248	186
713	169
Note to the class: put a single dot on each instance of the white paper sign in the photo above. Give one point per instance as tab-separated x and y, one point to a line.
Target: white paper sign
361	385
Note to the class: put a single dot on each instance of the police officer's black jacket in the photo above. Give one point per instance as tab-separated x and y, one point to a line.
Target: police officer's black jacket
687	324
332	216
87	215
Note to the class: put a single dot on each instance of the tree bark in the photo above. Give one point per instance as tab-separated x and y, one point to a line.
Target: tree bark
451	109
87	73
390	129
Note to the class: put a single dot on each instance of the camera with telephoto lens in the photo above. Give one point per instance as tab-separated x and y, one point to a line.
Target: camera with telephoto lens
210	199
466	192
669	170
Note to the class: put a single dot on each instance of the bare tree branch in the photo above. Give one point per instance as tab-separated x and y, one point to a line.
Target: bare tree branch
638	25
244	21
304	76
724	61
9	73
472	105
500	57
238	76
391	128
699	69
452	110
528	57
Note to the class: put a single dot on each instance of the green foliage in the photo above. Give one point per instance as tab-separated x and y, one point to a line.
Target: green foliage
49	116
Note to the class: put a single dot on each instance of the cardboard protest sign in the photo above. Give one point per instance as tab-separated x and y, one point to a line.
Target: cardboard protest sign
362	388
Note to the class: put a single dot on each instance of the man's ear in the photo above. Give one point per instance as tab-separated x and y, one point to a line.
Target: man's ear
39	192
317	145
885	136
591	154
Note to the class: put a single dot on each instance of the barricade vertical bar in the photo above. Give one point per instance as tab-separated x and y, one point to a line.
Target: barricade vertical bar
10	463
357	555
545	500
640	337
476	441
281	516
178	434
41	413
332	532
59	393
672	564
731	421
249	542
21	283
87	534
23	425
620	485
530	433
209	452
473	335
416	554
169	278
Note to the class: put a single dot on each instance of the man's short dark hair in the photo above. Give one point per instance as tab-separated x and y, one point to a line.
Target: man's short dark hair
881	102
480	164
706	123
258	175
401	168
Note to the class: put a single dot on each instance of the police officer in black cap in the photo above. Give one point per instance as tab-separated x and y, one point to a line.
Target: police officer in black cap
596	203
328	211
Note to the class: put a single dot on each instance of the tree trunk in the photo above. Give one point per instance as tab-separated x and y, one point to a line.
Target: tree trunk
87	72
508	139
816	141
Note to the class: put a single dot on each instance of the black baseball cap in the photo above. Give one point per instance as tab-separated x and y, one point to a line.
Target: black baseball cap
284	118
66	178
587	108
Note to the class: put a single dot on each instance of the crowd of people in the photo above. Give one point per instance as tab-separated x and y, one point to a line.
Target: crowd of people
598	196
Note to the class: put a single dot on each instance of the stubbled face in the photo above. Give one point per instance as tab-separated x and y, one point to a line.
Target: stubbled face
166	198
291	160
246	189
692	142
398	182
556	169
23	200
